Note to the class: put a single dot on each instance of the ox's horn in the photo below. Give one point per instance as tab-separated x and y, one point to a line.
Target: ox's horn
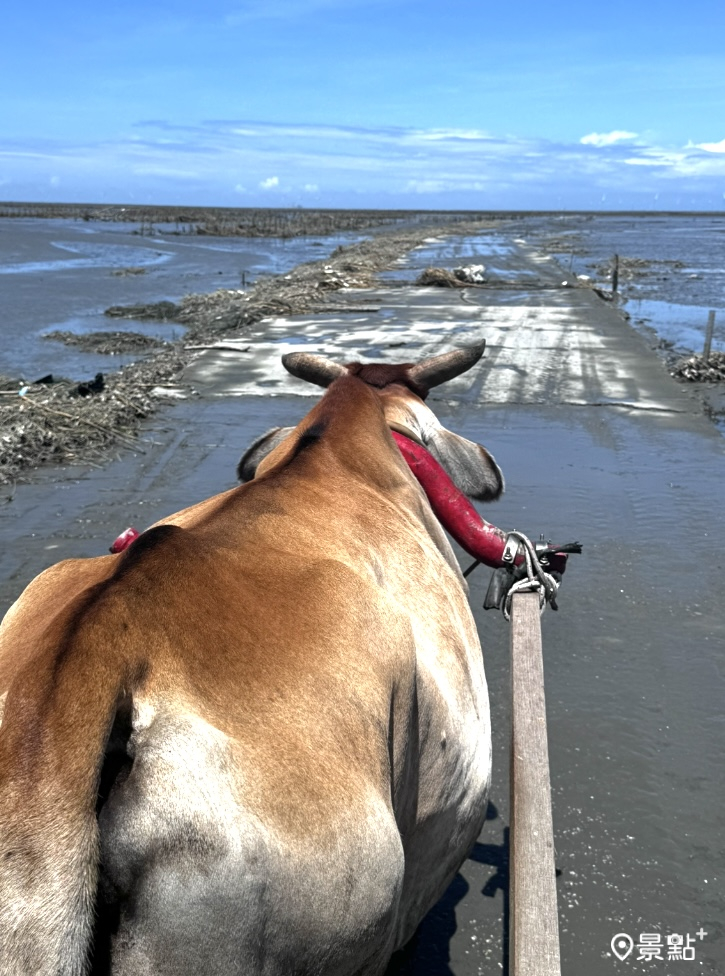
437	369
314	369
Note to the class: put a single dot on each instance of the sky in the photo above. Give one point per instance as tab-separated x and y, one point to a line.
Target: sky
403	104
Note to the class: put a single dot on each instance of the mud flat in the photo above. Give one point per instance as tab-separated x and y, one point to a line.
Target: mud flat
52	422
233	221
599	443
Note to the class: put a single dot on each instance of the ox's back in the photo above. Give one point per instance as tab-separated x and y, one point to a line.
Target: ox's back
266	722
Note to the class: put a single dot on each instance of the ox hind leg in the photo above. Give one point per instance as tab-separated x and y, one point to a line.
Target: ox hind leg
192	882
173	848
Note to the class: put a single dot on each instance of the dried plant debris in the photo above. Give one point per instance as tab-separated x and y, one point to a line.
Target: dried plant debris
70	422
470	274
697	369
108	343
632	269
57	424
567	243
157	311
439	278
125	272
240	221
55	420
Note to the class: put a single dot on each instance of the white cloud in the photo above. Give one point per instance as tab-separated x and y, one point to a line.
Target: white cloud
713	147
355	166
601	139
673	164
646	161
450	182
11	153
424	186
436	135
159	169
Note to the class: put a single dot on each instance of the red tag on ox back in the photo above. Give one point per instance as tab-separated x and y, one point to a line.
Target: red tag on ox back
125	539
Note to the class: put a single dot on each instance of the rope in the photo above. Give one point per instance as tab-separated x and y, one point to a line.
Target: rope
536	580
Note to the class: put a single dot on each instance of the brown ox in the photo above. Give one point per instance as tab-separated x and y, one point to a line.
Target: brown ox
258	740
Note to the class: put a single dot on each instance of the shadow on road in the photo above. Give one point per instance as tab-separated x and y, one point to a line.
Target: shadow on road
429	951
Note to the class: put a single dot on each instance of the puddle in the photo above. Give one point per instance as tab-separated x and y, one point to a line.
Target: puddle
508	273
299	340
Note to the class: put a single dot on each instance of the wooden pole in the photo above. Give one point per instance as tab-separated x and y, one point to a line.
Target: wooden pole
708	334
534	933
615	274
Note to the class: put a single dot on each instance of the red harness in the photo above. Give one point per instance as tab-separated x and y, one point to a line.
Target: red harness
454	511
125	539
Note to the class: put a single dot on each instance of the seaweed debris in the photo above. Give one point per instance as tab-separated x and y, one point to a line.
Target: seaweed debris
126	272
107	343
464	277
634	269
158	311
698	369
439	278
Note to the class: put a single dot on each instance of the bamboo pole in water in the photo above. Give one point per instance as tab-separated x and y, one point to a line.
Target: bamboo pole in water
708	334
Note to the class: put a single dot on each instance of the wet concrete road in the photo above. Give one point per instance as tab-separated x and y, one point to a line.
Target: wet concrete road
598	444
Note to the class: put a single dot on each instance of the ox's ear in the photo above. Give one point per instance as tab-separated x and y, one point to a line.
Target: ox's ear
469	465
258	451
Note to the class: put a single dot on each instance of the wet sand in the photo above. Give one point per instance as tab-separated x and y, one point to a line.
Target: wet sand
597	443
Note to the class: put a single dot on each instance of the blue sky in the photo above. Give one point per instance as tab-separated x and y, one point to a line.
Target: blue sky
365	103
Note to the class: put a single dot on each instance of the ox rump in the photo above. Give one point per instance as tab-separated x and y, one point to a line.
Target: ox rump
258	739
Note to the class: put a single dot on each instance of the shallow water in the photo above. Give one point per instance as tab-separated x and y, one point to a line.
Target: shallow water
681	325
63	274
674	301
93	255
